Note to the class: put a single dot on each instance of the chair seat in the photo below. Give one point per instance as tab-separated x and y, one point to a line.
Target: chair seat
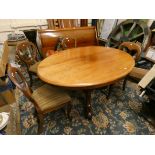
138	73
34	67
50	98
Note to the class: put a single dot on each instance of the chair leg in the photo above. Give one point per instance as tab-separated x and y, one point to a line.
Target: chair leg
40	123
124	82
29	74
109	91
68	110
31	80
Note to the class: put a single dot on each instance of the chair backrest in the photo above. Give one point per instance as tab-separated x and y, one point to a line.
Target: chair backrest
27	52
20	82
132	48
18	79
65	43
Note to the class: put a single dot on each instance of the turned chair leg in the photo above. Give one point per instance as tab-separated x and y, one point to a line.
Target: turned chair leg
31	79
125	82
40	123
68	110
109	91
29	74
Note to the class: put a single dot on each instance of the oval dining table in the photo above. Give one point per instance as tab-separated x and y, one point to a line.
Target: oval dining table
85	68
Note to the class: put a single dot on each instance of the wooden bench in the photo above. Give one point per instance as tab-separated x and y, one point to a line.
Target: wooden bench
84	36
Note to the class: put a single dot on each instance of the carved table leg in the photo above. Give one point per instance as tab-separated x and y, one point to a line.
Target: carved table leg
88	103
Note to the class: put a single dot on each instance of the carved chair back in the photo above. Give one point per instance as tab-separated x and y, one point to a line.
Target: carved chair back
65	43
20	82
132	48
27	52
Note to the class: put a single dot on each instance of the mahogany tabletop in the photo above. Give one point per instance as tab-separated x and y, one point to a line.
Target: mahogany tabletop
85	67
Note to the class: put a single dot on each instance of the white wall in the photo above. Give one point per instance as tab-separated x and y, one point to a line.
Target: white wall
107	27
17	25
12	24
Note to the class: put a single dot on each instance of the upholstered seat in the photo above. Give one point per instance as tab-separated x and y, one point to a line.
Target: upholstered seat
49	97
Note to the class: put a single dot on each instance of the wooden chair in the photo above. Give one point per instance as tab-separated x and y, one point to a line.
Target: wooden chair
28	53
45	99
65	43
62	44
134	49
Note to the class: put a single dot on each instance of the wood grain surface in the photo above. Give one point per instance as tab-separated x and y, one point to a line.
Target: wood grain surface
85	67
